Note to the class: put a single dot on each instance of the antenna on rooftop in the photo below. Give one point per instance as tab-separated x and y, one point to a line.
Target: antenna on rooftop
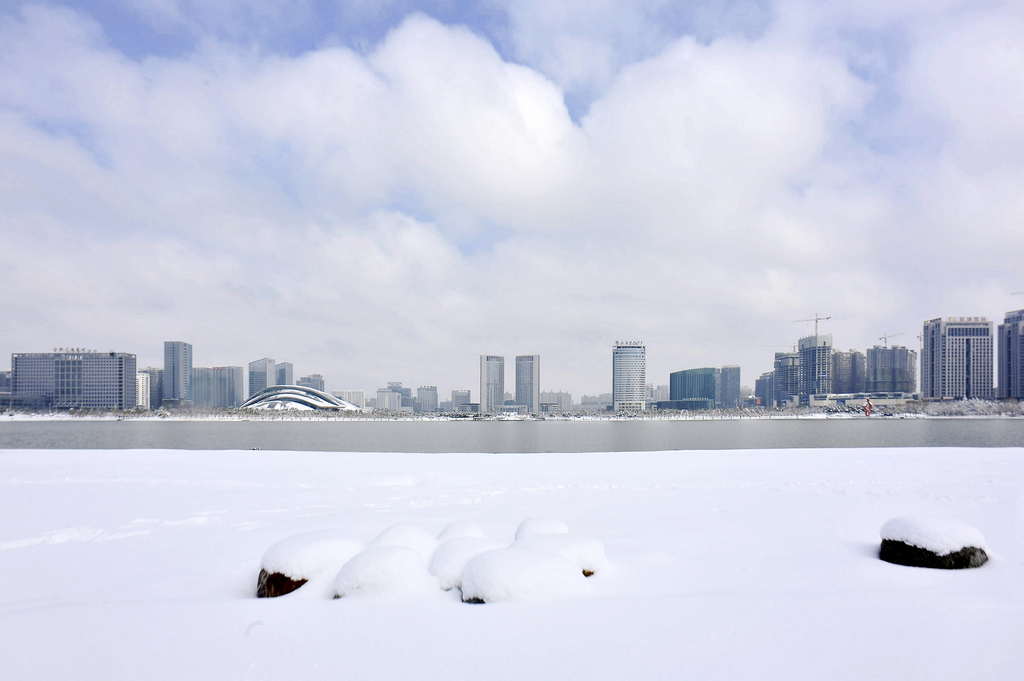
816	318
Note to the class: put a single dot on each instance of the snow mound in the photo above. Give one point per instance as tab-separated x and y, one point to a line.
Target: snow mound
304	556
451	557
520	575
461	528
408	535
385	571
541	526
941	537
585	552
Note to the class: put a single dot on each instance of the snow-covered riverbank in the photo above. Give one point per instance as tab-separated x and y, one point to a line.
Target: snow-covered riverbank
746	564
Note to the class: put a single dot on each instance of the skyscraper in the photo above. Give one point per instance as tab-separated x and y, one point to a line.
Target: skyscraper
1011	354
314	381
492	383
815	364
426	398
786	380
218	387
849	372
262	375
629	376
177	388
156	386
891	370
528	382
142	389
356	397
957	358
285	373
459	398
692	389
730	386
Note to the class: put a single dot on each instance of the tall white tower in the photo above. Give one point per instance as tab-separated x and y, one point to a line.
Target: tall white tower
957	357
492	383
528	382
629	374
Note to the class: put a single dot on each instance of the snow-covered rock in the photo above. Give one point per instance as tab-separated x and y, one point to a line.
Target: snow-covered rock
385	571
541	526
291	562
931	542
585	552
520	575
451	557
461	528
408	535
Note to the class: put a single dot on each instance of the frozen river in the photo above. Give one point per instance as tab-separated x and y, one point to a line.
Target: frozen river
513	436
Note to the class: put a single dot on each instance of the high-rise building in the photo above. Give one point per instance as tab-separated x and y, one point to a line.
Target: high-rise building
354	397
562	400
389	400
849	372
957	359
730	386
891	370
815	365
786	380
142	389
262	375
528	382
218	387
691	389
5	382
629	376
285	373
763	388
156	386
1011	356
314	381
492	383
177	388
426	398
459	398
75	380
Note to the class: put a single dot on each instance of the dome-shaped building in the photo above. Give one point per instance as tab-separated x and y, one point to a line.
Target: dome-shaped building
296	397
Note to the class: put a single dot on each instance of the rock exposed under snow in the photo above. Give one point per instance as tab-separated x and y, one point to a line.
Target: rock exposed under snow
385	571
451	557
585	552
520	575
461	528
934	543
408	535
291	562
541	526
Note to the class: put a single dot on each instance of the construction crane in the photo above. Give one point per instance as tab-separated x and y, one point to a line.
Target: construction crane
886	336
787	345
814	319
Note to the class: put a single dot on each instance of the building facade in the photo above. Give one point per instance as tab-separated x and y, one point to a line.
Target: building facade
262	375
957	356
786	379
729	386
75	380
556	401
142	389
815	365
528	382
890	370
218	387
156	386
492	383
354	397
5	382
459	398
285	372
426	398
314	381
1011	352
691	389
177	385
629	376
849	372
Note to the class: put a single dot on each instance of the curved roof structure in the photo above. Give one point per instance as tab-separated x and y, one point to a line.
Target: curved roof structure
296	397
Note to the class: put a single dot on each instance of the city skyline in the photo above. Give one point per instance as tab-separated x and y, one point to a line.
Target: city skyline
321	184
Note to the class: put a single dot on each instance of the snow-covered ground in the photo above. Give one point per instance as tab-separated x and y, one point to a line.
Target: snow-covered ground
725	565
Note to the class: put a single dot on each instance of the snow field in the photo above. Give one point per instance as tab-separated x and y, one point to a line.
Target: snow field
585	553
520	575
451	557
939	536
722	565
308	555
385	571
541	526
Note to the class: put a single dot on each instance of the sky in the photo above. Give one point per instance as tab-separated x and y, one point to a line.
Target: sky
384	191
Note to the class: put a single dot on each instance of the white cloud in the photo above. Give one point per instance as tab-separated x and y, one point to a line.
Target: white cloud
390	215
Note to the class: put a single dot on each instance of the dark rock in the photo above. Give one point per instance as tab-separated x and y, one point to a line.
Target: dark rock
902	553
274	584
